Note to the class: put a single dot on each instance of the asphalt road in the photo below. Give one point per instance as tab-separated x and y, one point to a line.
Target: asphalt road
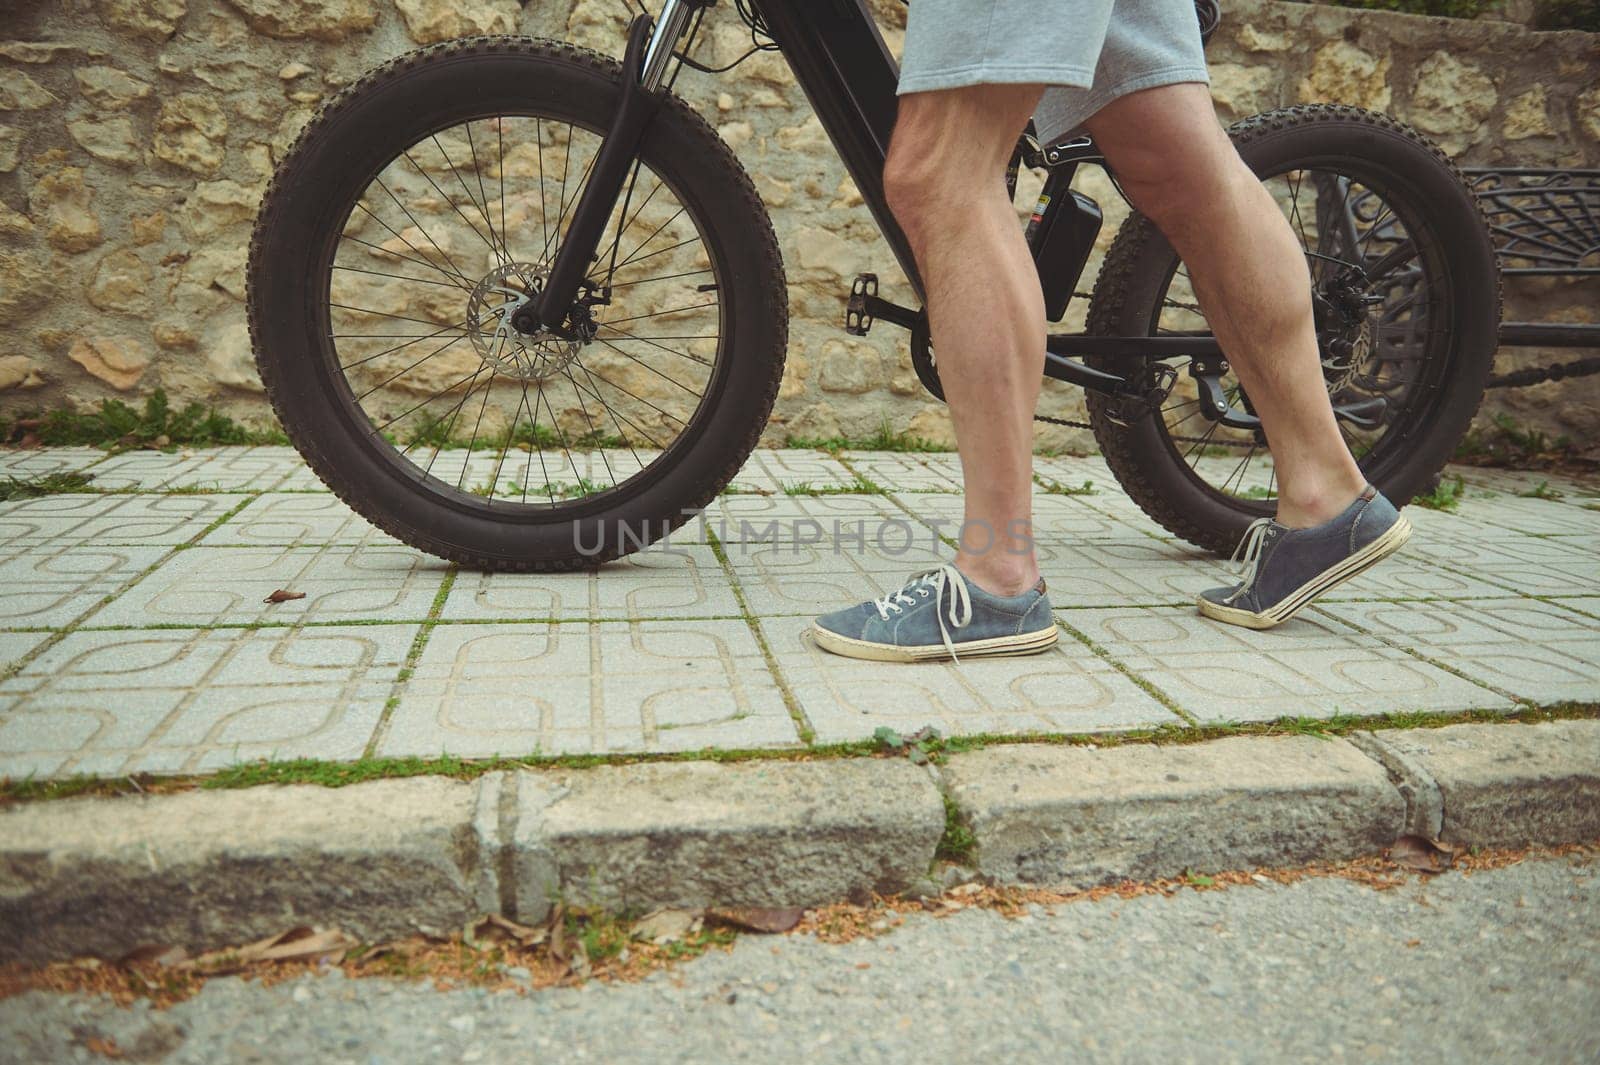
1498	966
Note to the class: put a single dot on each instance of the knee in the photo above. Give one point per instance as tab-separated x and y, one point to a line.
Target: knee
915	189
1160	193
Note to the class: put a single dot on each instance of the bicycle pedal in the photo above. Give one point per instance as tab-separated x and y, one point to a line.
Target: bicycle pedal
857	318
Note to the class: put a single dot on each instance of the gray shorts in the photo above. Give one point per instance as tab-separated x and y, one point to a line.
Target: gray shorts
1089	51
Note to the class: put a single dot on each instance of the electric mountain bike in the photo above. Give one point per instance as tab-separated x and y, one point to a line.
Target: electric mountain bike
518	304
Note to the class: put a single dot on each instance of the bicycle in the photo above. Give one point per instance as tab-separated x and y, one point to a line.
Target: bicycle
550	377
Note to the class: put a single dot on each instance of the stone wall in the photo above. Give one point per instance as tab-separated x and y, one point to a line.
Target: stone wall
136	136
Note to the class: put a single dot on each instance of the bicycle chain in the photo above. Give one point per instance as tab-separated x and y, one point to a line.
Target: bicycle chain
1539	374
1071	423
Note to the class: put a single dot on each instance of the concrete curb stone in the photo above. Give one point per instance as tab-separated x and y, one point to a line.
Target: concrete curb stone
1508	785
758	833
204	869
1071	817
207	868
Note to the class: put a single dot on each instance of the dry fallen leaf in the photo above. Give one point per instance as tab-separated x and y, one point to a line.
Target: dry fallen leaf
758	919
105	1046
283	596
491	929
666	926
1421	854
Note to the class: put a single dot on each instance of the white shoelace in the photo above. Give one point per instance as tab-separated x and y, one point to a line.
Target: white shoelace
1248	555
935	582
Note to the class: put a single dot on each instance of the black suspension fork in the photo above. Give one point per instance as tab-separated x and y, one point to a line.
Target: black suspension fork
644	64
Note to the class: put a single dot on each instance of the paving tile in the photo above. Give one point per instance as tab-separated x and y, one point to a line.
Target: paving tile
908	471
1531	649
589	688
227	585
679	581
802	520
50	587
123	520
1529	565
287	519
1065	689
1075	469
1144	571
1513	481
171	700
1056	519
252	469
1538	517
27	463
1312	666
14	645
788	467
810	579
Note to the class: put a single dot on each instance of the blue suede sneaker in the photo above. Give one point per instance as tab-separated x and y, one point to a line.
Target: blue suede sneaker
1285	569
937	615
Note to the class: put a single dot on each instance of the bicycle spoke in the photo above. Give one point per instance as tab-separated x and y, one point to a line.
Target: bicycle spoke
399	347
415	264
407	212
422	259
652	369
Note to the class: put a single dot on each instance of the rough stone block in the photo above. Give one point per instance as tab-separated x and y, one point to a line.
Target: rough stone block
700	833
1510	785
209	868
1066	816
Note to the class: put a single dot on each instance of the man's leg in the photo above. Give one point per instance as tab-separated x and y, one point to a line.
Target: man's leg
1249	273
945	182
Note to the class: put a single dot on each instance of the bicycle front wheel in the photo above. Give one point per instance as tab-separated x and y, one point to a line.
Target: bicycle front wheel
416	213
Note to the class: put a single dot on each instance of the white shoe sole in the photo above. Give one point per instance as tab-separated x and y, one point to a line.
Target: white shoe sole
1027	643
1381	548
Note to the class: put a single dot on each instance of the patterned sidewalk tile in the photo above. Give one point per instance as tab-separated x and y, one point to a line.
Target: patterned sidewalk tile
50	587
1531	649
227	469
1528	565
812	579
800	520
1065	689
294	518
110	519
589	688
908	471
1138	572
1513	481
178	700
25	464
682	581
790	467
1074	470
227	585
1542	517
1312	666
1056	519
14	645
1470	524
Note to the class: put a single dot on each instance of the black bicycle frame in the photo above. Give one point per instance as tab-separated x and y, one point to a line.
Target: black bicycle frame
849	76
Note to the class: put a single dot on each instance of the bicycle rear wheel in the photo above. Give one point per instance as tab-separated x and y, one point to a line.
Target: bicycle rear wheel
409	221
1407	300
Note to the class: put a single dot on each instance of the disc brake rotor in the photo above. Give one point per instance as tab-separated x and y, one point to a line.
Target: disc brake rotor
527	357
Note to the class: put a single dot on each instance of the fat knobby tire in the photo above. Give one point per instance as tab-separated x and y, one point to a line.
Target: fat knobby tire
351	138
1131	279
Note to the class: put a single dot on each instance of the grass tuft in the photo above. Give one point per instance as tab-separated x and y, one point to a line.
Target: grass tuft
114	424
48	485
1445	496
